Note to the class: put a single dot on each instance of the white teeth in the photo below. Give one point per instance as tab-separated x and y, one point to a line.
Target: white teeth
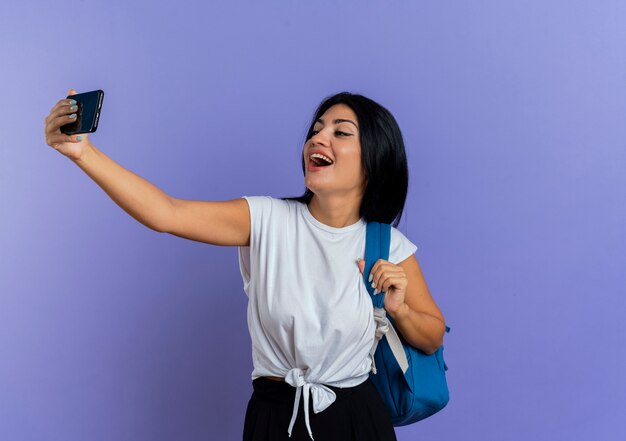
325	158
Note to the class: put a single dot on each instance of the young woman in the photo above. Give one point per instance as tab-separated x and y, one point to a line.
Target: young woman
310	316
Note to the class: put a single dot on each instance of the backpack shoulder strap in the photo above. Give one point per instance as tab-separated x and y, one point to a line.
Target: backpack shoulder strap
377	241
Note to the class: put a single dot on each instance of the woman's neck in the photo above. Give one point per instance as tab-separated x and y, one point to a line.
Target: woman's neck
335	212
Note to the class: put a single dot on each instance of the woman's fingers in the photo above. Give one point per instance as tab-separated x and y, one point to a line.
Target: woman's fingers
391	281
54	126
58	139
383	270
60	115
63	112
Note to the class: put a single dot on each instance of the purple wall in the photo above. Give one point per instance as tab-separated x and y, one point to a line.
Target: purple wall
514	117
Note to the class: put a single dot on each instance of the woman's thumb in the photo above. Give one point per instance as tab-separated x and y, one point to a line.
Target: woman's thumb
72	92
361	264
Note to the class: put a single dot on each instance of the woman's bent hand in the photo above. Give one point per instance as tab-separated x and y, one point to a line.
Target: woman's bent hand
67	145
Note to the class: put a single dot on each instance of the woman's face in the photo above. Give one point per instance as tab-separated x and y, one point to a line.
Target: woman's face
336	136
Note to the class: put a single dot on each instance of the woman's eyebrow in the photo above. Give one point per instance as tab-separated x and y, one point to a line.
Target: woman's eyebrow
337	121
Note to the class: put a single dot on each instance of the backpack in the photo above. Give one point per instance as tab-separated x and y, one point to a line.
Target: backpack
411	383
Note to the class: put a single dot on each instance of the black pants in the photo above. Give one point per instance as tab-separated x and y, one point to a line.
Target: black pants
358	413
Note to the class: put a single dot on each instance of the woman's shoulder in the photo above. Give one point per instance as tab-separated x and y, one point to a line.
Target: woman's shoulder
272	200
398	234
266	206
400	247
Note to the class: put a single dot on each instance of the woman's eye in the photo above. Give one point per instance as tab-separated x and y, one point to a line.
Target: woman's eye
338	132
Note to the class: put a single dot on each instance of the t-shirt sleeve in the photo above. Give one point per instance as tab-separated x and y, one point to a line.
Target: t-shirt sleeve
260	211
400	247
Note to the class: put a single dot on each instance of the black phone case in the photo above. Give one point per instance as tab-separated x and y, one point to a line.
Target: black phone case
87	114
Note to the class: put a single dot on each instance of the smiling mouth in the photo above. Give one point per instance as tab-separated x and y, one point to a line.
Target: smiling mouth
317	166
319	163
319	160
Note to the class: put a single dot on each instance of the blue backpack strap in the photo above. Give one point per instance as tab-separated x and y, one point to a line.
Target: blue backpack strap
377	240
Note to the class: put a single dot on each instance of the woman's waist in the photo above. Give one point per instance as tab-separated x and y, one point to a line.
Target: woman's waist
275	378
319	374
333	384
329	367
277	389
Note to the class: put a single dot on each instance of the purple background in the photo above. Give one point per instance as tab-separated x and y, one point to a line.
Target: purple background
514	117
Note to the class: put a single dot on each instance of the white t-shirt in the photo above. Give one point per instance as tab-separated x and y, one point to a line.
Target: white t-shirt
310	315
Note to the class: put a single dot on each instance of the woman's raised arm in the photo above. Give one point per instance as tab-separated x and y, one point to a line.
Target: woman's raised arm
216	223
225	223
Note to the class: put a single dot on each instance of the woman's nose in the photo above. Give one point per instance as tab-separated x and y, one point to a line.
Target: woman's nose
319	138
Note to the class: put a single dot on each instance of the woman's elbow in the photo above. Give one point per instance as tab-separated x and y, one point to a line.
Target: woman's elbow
436	343
433	348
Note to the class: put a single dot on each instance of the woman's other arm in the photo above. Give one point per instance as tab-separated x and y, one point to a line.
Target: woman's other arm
419	320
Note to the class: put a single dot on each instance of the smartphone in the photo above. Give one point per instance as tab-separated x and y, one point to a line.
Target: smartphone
88	113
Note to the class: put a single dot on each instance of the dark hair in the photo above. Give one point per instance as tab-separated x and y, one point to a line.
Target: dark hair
382	155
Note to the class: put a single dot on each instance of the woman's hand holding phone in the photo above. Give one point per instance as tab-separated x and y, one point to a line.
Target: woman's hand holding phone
68	145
